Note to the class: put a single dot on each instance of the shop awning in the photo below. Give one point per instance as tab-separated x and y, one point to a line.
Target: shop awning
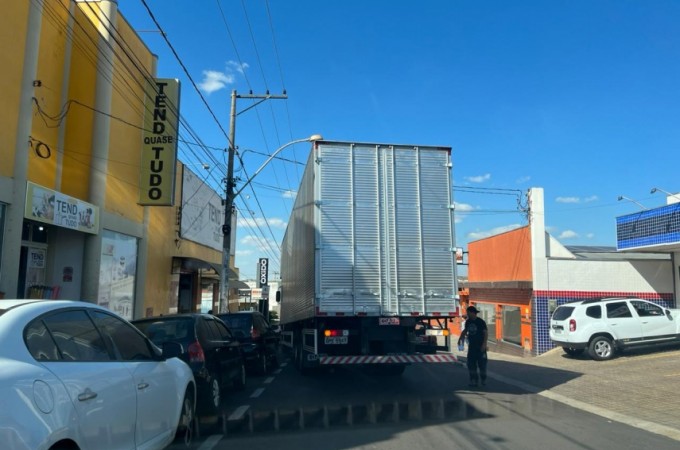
185	263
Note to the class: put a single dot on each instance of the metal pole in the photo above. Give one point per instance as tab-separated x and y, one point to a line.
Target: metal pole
230	196
228	206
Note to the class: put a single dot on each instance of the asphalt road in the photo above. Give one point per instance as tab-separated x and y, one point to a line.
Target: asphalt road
429	406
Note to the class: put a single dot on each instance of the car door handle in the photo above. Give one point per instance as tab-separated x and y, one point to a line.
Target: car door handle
142	386
87	395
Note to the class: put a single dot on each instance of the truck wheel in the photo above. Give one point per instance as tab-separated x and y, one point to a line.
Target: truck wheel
601	348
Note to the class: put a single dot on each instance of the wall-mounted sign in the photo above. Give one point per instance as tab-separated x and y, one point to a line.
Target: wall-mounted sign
202	212
52	207
262	272
159	145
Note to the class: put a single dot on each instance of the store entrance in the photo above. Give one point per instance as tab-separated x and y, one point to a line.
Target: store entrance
33	262
186	293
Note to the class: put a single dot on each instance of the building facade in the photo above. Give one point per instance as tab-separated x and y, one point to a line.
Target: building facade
80	217
517	279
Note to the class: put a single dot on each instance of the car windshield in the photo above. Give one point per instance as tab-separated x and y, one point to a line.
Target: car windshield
238	323
166	330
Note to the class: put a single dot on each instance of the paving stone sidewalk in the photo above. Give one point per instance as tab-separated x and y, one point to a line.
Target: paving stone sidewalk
642	384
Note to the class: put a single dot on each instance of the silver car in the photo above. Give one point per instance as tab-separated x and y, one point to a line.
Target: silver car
74	372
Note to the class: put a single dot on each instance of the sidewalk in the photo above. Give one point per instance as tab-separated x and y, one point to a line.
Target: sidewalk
639	387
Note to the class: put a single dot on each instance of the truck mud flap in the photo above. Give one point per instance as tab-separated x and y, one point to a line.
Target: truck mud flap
387	359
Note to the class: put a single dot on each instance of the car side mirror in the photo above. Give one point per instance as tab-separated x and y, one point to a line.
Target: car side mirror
669	315
278	296
171	350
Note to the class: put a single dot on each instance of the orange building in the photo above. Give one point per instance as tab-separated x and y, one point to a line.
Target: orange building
518	278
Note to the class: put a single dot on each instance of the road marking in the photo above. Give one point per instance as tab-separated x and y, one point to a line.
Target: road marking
284	364
238	414
210	443
612	415
257	392
676	374
268	380
277	371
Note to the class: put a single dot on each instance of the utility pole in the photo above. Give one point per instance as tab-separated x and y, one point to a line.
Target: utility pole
229	197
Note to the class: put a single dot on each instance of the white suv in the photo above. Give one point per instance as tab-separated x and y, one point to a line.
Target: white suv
604	325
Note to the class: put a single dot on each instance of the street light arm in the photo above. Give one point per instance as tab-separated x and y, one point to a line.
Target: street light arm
312	138
677	196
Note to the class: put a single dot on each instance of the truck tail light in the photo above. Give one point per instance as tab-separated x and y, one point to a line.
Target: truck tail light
254	333
333	333
572	325
196	354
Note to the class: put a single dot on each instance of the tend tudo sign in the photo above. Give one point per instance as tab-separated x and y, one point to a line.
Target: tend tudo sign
159	143
262	272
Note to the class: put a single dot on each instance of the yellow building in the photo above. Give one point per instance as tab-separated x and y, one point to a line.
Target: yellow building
76	222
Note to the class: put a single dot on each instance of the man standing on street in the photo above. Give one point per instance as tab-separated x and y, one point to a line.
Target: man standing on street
477	334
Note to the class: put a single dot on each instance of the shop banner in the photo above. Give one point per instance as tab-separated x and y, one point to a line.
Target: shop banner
159	144
54	208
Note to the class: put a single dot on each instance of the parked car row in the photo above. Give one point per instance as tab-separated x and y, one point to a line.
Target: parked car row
76	373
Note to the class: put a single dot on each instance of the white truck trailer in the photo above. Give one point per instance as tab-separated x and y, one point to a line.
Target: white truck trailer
369	257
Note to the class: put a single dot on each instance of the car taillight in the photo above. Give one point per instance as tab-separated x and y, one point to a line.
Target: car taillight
254	333
572	325
196	354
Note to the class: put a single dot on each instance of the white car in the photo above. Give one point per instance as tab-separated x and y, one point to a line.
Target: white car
73	375
604	325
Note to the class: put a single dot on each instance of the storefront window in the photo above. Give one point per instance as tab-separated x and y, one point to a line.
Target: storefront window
512	324
117	273
207	290
488	313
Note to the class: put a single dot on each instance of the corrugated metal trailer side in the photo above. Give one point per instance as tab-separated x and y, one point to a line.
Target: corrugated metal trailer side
385	230
371	233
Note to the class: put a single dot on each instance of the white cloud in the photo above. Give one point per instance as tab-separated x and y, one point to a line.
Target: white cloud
240	68
260	244
590	235
568	200
249	222
522	180
244	252
589	199
479	178
214	81
475	235
290	194
462	208
568	234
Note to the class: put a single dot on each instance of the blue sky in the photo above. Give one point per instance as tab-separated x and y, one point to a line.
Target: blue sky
581	98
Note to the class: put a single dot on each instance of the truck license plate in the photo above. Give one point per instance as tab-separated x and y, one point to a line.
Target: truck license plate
388	320
334	340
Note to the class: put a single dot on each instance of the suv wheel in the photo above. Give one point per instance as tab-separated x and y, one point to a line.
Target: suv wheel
601	348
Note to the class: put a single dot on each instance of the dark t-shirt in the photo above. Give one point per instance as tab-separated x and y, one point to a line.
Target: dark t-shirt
475	332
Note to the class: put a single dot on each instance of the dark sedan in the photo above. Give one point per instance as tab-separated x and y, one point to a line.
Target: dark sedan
259	340
208	346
